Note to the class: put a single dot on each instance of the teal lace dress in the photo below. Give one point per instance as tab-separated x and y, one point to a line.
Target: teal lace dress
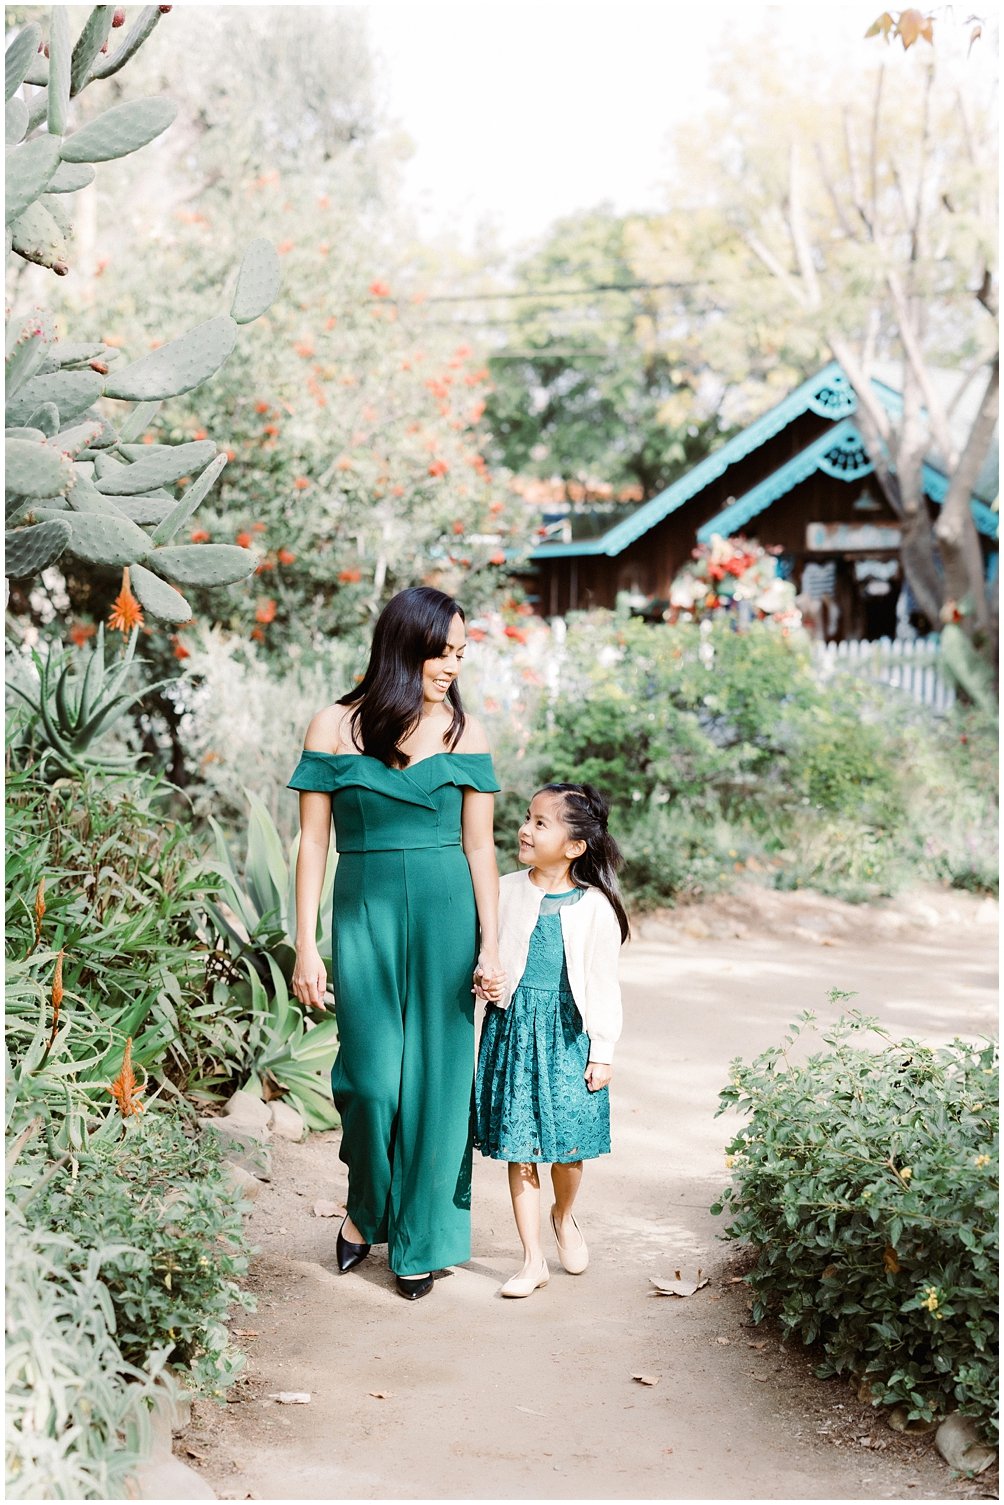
531	1102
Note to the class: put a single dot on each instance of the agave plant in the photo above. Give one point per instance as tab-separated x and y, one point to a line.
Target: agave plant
259	916
75	704
292	1055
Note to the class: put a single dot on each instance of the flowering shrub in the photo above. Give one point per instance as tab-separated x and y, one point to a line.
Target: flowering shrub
865	1181
730	574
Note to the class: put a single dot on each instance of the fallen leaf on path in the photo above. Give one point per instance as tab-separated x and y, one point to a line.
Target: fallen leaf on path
723	1341
678	1287
382	1394
322	1209
193	1454
647	1379
735	1280
245	1332
763	1378
530	1412
291	1397
761	1344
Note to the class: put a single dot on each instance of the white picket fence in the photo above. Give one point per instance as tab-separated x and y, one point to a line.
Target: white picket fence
914	667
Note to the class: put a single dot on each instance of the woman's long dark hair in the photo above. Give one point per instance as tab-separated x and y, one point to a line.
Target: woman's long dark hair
413	626
584	812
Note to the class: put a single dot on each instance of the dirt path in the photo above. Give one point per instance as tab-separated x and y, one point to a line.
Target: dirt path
466	1396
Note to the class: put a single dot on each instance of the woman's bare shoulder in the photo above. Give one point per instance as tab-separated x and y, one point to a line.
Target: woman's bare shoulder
329	730
474	739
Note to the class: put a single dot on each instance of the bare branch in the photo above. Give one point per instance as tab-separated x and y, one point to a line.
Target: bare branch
873	144
987	293
916	366
777	268
831	189
799	230
955	529
852	173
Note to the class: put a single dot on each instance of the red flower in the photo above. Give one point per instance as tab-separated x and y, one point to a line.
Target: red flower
180	651
497	558
199	536
199	434
261	407
350	577
258	633
301	483
80	632
458	526
515	634
243	540
266	610
379	290
286	557
270	428
476	634
257	527
438	468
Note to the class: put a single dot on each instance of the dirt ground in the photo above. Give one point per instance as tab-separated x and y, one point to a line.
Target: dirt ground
467	1396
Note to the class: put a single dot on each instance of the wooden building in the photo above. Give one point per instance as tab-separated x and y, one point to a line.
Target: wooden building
798	479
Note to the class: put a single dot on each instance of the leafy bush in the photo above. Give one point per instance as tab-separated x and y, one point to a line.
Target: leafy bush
156	1207
78	1422
866	1182
125	889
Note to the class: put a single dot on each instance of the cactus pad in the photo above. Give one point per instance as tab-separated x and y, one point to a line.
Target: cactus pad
161	468
178	366
103	539
45	418
73	392
37	237
60	49
145	509
97	29
157	597
34	468
257	282
28	550
15	121
204	563
26	352
19	57
188	503
29	170
121	130
71	176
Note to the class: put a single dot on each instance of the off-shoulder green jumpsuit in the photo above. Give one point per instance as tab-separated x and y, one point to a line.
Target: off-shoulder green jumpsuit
404	944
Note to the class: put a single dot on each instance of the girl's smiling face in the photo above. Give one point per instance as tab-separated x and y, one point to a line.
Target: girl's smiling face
544	839
439	673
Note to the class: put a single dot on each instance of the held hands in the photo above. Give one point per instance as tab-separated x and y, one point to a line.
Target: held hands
309	978
597	1075
489	979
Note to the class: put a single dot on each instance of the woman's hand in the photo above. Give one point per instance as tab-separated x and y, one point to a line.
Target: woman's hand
597	1075
309	977
488	986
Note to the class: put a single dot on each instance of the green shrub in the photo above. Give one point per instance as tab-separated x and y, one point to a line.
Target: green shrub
156	1205
78	1419
125	891
866	1182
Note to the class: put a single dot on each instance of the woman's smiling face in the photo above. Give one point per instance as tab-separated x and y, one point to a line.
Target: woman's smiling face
439	673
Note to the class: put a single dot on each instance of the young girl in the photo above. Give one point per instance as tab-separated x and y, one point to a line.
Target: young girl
547	1042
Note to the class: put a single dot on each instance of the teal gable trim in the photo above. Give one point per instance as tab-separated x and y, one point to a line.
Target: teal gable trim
827	392
839	453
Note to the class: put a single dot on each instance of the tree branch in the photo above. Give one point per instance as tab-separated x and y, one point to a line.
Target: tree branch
955	529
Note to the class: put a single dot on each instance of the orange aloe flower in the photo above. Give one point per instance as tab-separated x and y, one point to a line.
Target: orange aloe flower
57	991
40	910
124	1089
125	613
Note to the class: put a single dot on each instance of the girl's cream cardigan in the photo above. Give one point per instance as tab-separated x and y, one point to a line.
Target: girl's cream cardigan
592	938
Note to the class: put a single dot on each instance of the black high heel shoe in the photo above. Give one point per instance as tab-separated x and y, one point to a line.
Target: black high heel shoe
411	1287
348	1254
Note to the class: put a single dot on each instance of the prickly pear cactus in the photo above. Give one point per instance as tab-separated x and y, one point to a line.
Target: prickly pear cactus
76	480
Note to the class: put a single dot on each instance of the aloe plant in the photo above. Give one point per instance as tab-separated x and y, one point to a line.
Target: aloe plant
292	1056
75	703
74	482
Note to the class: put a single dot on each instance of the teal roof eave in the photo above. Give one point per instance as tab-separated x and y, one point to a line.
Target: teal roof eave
804	464
702	474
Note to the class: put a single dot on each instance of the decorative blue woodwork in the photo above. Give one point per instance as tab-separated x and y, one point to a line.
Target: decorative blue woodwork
834	398
847	459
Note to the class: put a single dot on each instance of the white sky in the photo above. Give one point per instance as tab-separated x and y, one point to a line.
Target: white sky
522	112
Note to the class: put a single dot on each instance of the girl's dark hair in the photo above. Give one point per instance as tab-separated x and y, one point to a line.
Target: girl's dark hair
584	812
413	626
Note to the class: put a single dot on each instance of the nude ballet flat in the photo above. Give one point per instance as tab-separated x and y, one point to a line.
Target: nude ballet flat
525	1285
576	1258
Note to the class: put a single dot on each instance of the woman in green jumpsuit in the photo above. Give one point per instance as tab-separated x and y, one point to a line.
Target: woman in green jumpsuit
409	781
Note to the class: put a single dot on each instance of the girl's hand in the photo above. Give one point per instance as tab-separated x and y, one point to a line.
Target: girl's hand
309	978
489	987
597	1075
